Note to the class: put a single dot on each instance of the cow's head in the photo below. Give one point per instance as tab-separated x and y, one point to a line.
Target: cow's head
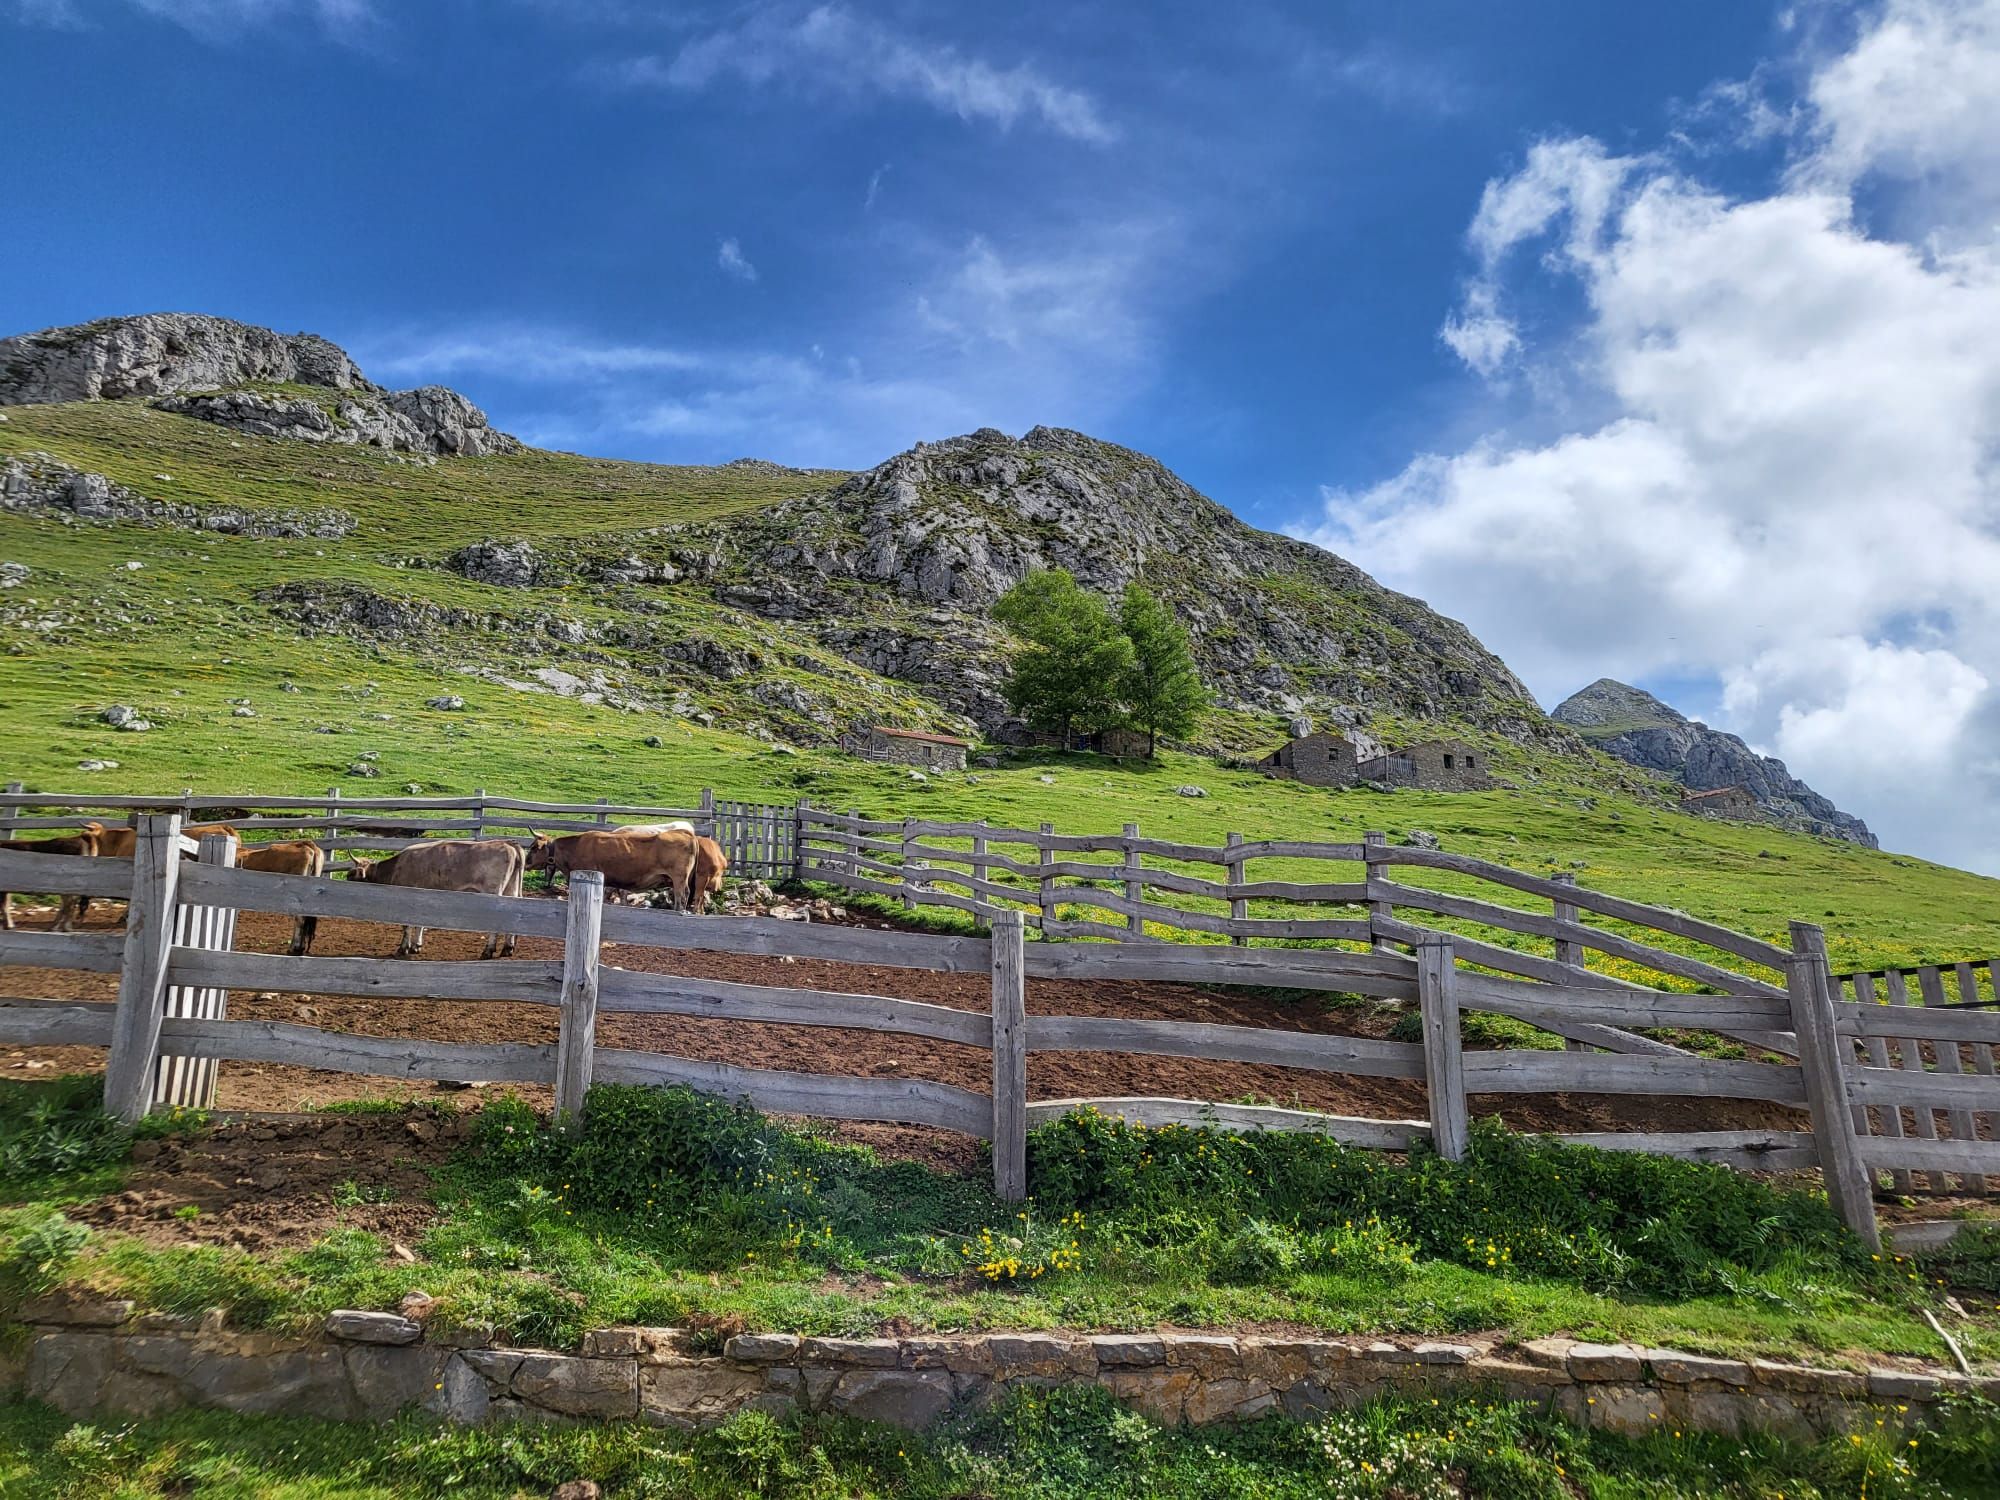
362	869
706	880
541	851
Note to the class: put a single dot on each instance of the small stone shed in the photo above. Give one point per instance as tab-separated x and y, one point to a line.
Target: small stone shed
1432	766
915	747
1324	759
1734	802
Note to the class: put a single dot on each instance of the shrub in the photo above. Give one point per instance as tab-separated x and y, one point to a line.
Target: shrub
1602	1219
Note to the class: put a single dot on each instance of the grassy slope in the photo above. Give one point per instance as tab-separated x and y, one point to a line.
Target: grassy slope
193	638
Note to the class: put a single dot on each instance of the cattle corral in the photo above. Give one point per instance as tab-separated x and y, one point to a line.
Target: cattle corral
984	1035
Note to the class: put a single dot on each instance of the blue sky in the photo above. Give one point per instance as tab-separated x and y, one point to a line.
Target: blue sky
1493	298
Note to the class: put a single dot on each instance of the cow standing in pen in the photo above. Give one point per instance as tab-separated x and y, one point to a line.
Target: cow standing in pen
492	867
83	844
630	859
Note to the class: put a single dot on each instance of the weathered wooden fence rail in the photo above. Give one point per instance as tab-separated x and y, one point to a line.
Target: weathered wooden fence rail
1860	1063
759	838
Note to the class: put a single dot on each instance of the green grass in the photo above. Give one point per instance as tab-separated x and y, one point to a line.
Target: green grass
674	1210
1033	1445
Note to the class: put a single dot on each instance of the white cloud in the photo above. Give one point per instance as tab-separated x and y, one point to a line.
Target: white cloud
830	50
729	256
1789	483
221	19
57	15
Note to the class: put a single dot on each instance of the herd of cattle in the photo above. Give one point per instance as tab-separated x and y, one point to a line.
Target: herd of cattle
668	857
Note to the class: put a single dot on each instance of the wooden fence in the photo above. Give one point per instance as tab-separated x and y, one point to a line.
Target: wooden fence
760	839
176	963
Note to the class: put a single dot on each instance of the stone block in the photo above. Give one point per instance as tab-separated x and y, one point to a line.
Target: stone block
1902	1385
158	1354
1207	1355
1674	1368
704	1394
495	1366
911	1399
762	1348
1129	1349
1516	1379
1629	1409
1605	1362
1277	1362
1552	1353
610	1343
309	1379
355	1327
1444	1354
461	1394
578	1387
1160	1393
74	1310
1228	1400
1809	1380
1018	1355
388	1380
465	1336
873	1354
128	1393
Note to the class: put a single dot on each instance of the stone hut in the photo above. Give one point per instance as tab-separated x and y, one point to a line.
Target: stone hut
1432	766
914	747
1324	759
1734	802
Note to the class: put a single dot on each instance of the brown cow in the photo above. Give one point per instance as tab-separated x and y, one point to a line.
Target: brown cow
628	861
706	879
119	843
492	867
301	858
83	844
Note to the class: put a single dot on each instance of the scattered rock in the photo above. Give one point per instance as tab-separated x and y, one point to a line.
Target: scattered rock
13	575
1046	780
919	778
362	768
124	717
448	703
1420	839
241	712
509	565
36	481
577	1489
1190	790
372	1327
653	742
97	765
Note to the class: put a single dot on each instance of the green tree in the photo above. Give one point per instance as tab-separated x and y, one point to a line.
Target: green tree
1162	690
1072	672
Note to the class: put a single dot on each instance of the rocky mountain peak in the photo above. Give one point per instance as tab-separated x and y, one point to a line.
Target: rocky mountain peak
163	354
212	368
946	527
1633	725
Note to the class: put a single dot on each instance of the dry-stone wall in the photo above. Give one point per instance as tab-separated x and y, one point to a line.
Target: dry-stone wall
95	1358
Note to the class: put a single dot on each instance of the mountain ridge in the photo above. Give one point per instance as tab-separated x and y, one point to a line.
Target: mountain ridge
1641	730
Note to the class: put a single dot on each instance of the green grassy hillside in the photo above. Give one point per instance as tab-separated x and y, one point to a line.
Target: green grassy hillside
186	633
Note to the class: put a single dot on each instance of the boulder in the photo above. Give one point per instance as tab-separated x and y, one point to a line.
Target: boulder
510	565
162	353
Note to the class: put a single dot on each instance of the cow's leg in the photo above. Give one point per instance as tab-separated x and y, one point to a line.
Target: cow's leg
492	947
303	934
65	914
82	908
6	911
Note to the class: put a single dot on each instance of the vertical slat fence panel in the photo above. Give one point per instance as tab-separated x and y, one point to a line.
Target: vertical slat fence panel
1849	1189
1444	1062
1909	1056
576	1037
142	976
1010	1058
1889	1116
189	1082
10	815
1045	886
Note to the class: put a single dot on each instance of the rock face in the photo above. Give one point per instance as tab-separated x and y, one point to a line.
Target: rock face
158	354
1637	727
199	366
946	528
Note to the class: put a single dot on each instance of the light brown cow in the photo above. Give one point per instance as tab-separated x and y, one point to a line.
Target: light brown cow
491	867
706	878
83	844
629	861
303	857
121	843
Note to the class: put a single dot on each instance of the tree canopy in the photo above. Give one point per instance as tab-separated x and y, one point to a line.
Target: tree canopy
1085	668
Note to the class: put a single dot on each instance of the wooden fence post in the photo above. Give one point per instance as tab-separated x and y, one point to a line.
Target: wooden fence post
979	865
1239	909
10	814
142	975
189	1082
576	1040
705	824
909	875
1849	1187
1045	889
479	815
332	828
1135	883
798	850
1444	1063
1570	955
1378	911
1010	1058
